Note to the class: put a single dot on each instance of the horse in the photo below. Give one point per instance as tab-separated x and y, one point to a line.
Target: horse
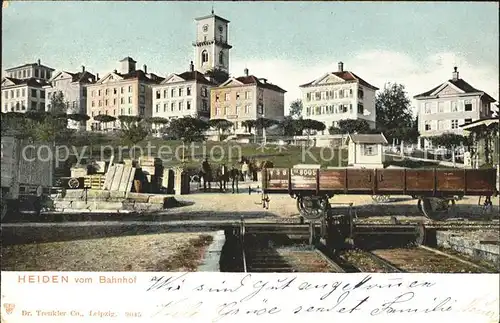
222	177
205	173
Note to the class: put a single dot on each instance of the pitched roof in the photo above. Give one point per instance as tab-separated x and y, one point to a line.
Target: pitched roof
212	16
141	76
81	77
347	76
30	82
29	65
459	83
377	138
195	76
128	58
251	79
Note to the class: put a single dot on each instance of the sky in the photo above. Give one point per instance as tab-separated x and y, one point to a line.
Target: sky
416	44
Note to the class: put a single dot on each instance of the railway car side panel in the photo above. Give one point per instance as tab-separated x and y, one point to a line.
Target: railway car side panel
390	180
420	181
450	181
304	179
333	180
276	179
360	180
480	181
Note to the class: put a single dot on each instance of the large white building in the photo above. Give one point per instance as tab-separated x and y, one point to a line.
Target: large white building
180	95
211	45
22	87
338	96
74	90
447	106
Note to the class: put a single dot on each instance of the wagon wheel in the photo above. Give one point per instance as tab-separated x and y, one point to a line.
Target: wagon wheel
312	208
381	198
73	182
436	208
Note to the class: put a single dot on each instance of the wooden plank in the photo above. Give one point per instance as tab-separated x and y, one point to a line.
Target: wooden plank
449	180
124	181
390	180
109	177
332	179
419	180
131	177
360	180
277	179
115	184
303	179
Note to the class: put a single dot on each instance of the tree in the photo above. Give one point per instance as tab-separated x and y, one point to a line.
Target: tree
353	125
54	127
188	129
132	130
291	127
217	75
222	125
334	130
249	124
296	108
310	124
393	108
450	140
104	118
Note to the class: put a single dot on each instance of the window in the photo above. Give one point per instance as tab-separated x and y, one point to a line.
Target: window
221	56
157	108
370	150
129	111
33	105
247	109
100	103
180	106
114	112
114	101
188	105
99	92
33	93
427	108
142	111
308	97
172	107
227	96
165	92
180	92
238	110
36	73
204	57
130	88
158	95
115	91
217	111
428	126
468	105
6	107
226	110
188	91
454	124
323	95
129	99
17	93
260	109
23	107
24	73
308	111
350	93
317	96
107	91
454	106
172	93
248	95
360	108
204	92
122	100
441	125
164	107
93	104
143	89
469	120
74	104
216	98
204	105
121	90
142	100
18	106
106	102
441	107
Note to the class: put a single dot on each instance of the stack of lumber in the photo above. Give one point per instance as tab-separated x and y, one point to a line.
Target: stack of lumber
94	182
119	178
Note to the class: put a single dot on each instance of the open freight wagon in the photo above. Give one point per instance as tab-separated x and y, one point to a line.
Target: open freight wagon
435	189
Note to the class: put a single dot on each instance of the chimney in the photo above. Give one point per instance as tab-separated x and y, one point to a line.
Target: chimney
83	69
39	62
191	66
455	73
341	67
97	76
246	71
115	71
145	68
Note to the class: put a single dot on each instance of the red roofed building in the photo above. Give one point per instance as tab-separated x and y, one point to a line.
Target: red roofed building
338	96
247	98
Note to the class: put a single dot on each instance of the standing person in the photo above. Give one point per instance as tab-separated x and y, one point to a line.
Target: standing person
207	174
244	170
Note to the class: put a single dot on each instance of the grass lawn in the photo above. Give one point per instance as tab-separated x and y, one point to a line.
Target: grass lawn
171	151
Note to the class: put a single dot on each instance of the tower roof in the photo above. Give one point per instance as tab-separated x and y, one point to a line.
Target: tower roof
213	16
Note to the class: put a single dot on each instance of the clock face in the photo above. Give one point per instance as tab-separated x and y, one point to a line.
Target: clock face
220	28
205	28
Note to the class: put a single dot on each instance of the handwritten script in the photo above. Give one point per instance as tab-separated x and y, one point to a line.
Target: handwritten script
244	297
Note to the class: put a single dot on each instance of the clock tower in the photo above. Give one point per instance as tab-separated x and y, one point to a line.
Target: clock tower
211	45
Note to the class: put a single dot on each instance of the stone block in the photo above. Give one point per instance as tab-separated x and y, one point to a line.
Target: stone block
62	204
80	205
157	199
74	194
97	195
117	196
138	197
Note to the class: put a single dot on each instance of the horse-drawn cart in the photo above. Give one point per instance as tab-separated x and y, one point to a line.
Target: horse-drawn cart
435	189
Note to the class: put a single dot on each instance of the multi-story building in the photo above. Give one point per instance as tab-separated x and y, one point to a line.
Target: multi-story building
124	92
247	98
449	105
211	45
22	87
185	94
73	88
338	96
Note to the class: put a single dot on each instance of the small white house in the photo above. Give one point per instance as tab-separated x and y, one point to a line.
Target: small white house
366	150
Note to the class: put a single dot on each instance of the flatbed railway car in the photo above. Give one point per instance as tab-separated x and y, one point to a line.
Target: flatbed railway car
436	189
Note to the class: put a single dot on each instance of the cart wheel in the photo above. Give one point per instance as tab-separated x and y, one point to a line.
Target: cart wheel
381	198
436	208
312	208
73	183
